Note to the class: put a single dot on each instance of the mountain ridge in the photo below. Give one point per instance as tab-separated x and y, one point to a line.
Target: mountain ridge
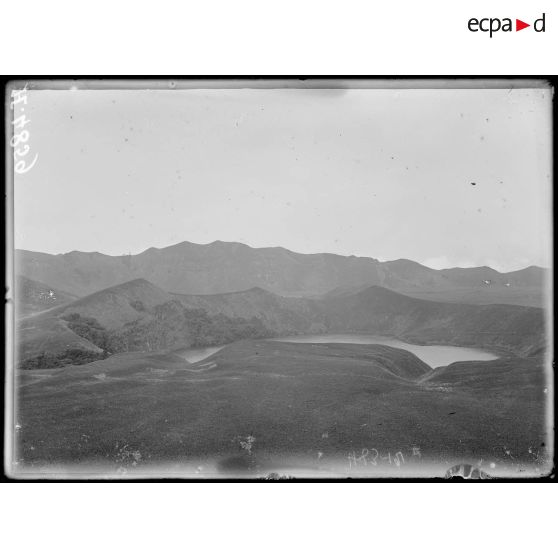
218	267
232	242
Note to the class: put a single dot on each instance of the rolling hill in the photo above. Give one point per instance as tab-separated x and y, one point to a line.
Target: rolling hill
138	315
134	316
517	329
33	296
282	315
222	267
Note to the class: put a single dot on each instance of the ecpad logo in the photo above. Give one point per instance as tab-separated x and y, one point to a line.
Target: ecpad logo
494	24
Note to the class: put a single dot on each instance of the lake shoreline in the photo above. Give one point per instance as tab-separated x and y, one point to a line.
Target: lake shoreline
434	355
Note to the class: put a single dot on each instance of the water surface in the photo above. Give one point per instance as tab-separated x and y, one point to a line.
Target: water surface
433	355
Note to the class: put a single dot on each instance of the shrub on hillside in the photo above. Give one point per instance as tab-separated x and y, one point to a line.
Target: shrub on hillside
138	305
92	330
70	356
221	329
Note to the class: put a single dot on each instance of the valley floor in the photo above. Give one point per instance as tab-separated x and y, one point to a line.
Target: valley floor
261	407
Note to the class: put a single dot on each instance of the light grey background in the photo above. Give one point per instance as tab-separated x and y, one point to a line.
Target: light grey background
381	173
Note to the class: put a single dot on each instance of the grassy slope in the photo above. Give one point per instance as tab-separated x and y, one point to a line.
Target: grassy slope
50	335
295	400
48	332
517	329
133	316
493	294
34	296
119	305
140	316
283	315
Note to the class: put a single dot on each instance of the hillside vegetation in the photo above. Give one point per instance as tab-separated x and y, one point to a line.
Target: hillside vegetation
518	329
136	316
140	316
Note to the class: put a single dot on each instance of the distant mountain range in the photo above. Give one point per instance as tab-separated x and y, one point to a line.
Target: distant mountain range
222	267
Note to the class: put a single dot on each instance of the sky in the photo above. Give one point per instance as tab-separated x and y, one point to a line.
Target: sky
444	177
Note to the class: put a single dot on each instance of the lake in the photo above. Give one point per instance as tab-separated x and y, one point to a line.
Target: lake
433	355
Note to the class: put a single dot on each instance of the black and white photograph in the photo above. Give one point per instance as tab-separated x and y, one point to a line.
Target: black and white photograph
279	279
